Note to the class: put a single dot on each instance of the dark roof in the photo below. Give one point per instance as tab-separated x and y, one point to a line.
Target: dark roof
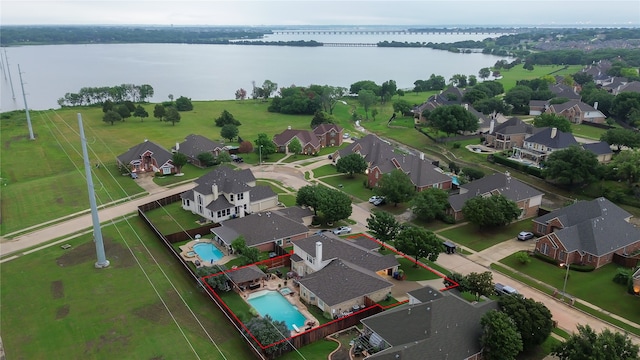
564	91
336	248
599	148
382	155
633	86
194	145
514	126
159	153
246	274
260	192
305	136
446	327
562	139
425	294
228	180
341	281
295	213
494	184
259	228
325	128
597	227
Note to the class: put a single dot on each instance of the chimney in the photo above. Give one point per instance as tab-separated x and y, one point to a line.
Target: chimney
492	124
554	132
595	105
214	190
319	252
177	146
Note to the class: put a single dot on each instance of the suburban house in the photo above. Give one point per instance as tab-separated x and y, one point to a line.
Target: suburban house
225	193
382	159
147	157
194	145
527	198
587	232
337	274
544	141
537	107
509	134
262	230
433	325
311	140
329	134
578	112
449	96
565	91
633	86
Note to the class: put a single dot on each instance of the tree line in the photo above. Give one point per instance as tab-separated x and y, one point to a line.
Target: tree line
88	96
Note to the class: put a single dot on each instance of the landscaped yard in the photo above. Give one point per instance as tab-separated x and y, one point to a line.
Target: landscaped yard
75	311
471	236
352	186
325	170
413	273
596	287
172	218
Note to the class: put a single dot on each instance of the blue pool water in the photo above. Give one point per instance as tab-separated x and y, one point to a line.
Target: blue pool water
272	303
207	252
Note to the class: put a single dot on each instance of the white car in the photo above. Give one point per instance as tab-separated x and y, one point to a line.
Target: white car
346	136
525	235
342	230
374	198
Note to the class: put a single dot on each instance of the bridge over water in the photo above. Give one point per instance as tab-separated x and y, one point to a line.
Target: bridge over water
389	32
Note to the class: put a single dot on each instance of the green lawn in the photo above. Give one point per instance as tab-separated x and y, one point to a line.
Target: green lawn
190	172
287	200
607	295
352	186
414	273
477	239
172	218
586	131
74	311
511	76
314	351
325	170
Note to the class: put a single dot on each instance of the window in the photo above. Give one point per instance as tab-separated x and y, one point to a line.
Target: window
228	211
245	206
321	304
200	209
199	199
219	214
230	197
310	258
562	255
544	249
241	196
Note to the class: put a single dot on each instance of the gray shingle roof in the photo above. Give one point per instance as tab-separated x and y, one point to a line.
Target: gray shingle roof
325	128
305	137
562	140
194	145
336	248
259	228
261	192
597	227
227	179
633	86
425	294
564	91
380	154
161	154
246	274
514	126
446	327
508	186
340	281
599	148
295	213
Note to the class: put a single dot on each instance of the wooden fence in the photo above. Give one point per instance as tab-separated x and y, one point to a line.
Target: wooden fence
191	233
626	261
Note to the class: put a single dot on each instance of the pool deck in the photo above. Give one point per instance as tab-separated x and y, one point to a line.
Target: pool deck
276	284
188	254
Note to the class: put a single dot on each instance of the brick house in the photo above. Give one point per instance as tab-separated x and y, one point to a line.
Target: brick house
527	198
509	134
311	141
587	232
578	112
329	134
147	157
382	159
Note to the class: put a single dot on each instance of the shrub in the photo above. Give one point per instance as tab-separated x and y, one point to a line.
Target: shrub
523	257
547	259
448	219
622	276
456	145
582	268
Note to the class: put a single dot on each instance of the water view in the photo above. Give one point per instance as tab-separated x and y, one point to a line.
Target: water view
215	72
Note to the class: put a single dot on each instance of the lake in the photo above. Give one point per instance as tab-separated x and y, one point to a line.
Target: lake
215	72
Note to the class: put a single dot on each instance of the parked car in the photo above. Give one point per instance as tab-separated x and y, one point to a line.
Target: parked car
238	159
342	230
525	235
374	198
505	290
345	136
379	201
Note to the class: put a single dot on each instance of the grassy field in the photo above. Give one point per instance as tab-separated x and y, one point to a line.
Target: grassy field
74	311
478	239
511	76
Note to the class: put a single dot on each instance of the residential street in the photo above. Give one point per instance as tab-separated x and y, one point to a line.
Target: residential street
292	175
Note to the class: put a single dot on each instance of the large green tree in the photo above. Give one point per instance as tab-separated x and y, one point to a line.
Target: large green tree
321	117
621	137
179	160
519	97
184	104
572	165
589	345
532	319
264	145
366	98
554	121
396	187
430	204
402	106
226	118
479	284
626	166
294	146
140	112
124	111
484	73
500	339
452	119
229	132
352	164
268	88
111	116
159	112
490	211
383	226
268	331
419	243
334	205
309	195
626	107
172	115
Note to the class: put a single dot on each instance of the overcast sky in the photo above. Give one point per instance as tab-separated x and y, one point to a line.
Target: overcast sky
322	12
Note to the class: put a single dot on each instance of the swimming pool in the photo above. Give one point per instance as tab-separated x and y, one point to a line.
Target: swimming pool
285	291
208	252
272	303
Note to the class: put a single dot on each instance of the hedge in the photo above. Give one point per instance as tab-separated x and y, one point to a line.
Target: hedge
531	170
